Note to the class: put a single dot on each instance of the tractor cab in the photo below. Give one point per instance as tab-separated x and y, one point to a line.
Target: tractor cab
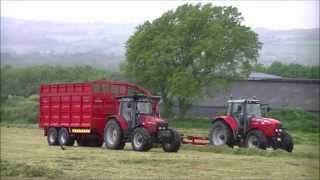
243	111
131	108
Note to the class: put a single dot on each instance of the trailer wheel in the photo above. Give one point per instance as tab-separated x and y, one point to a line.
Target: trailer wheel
220	134
113	136
287	141
174	144
141	140
52	136
64	137
256	139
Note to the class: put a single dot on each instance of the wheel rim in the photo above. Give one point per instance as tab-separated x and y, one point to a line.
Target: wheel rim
253	142
63	138
219	136
112	135
137	140
51	138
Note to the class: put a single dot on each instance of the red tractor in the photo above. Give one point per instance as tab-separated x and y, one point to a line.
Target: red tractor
144	126
244	126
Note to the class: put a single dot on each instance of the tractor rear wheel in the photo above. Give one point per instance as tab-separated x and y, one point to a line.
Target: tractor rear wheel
141	140
220	134
52	136
256	139
64	138
113	136
174	144
287	141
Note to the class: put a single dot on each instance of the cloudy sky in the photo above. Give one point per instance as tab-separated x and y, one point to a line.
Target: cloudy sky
267	14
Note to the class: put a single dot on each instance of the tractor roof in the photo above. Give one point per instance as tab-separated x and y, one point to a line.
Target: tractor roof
137	97
244	101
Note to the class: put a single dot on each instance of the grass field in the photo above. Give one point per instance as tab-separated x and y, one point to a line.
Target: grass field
25	153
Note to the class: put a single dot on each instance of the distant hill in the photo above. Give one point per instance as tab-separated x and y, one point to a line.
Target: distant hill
26	42
299	46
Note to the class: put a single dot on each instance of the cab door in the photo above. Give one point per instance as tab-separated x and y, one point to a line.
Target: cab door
237	112
126	111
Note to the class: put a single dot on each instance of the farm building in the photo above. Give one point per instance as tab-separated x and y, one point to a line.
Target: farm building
274	90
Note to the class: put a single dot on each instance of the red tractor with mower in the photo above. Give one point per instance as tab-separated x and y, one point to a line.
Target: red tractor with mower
107	112
245	126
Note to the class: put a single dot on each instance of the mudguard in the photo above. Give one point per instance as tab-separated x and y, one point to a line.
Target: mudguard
122	122
229	120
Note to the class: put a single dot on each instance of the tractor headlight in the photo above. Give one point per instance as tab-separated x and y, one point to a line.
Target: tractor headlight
162	126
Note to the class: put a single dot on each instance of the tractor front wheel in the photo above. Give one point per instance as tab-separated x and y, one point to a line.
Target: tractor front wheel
220	134
256	139
287	141
141	140
174	144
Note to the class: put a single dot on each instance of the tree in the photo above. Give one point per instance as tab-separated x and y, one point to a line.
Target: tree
189	49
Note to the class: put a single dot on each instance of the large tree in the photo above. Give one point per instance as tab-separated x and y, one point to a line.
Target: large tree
189	49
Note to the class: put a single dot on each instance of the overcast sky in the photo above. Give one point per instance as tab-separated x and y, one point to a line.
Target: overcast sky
268	14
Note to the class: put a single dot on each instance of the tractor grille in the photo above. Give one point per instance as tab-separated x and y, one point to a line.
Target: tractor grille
163	126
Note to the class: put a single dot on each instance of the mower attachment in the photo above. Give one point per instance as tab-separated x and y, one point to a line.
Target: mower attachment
195	140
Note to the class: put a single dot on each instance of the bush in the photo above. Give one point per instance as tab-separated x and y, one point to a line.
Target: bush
202	123
290	70
297	119
17	109
25	81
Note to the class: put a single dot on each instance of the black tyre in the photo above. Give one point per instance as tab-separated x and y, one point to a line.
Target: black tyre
256	139
220	134
64	137
141	140
287	141
113	136
174	144
52	136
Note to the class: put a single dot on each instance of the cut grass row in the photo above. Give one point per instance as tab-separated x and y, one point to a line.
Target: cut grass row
306	139
28	146
11	168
